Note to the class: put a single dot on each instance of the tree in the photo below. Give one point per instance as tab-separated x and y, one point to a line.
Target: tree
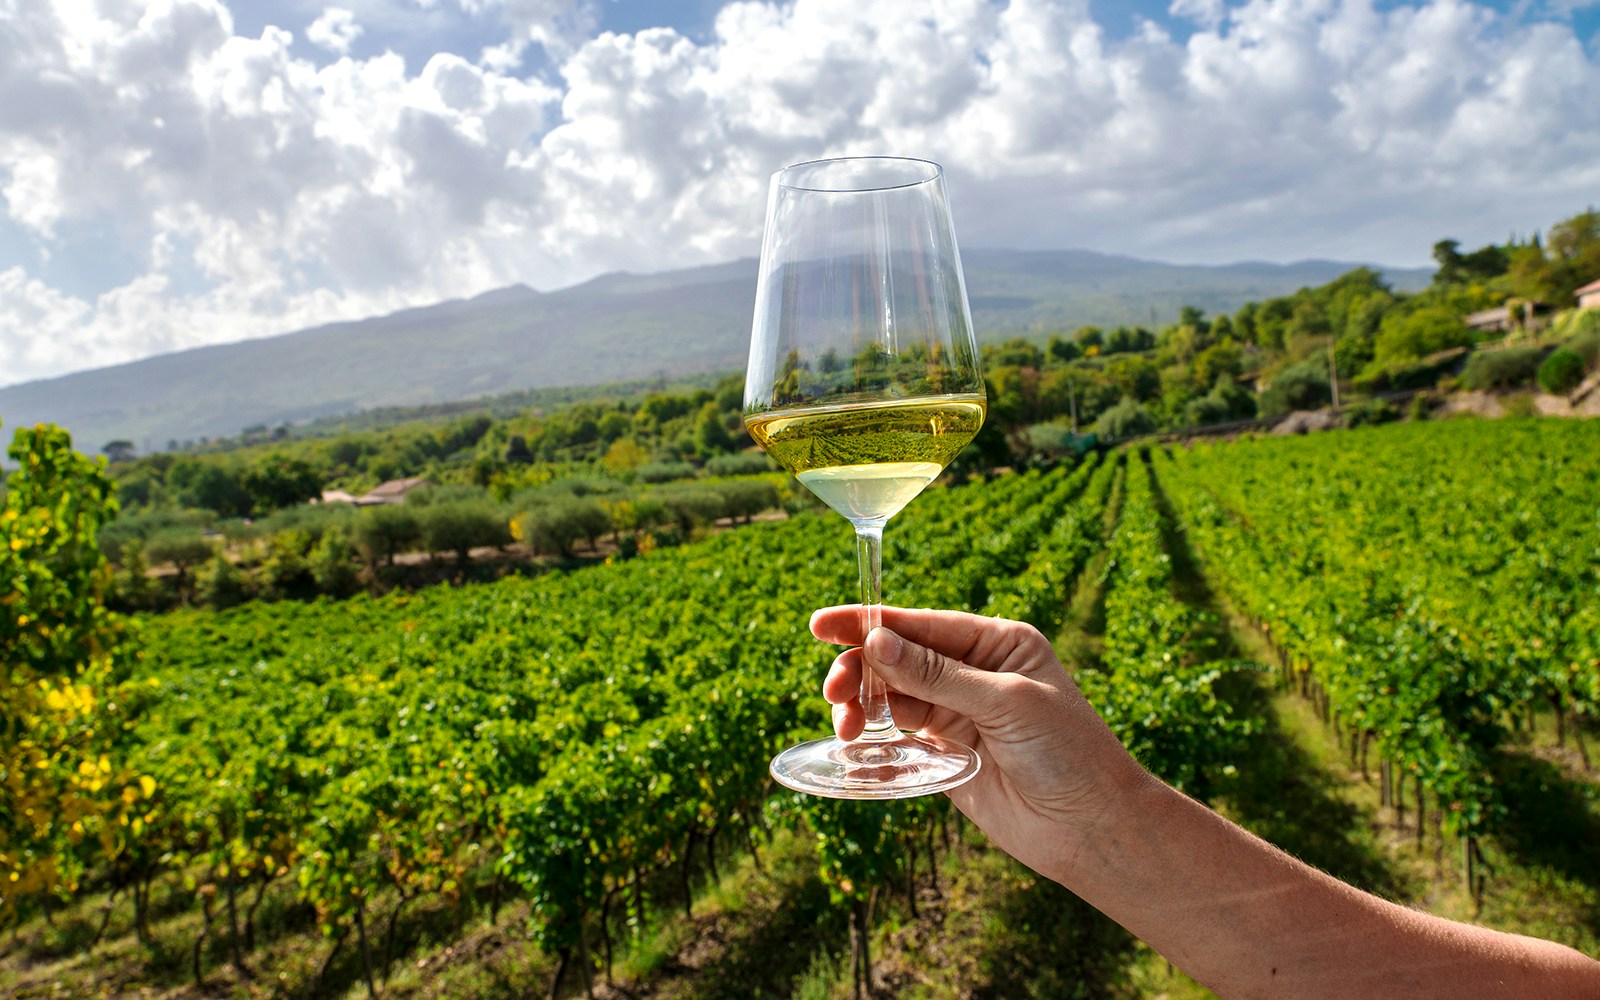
517	452
279	481
624	455
1446	254
1409	335
554	525
613	426
1018	351
213	485
1135	377
710	436
180	549
120	450
1063	350
67	798
1217	361
462	526
1553	271
745	498
1013	396
386	530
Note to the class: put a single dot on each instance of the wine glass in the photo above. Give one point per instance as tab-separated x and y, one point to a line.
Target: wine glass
864	383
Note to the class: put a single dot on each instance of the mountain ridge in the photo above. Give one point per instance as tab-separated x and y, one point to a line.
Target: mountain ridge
614	327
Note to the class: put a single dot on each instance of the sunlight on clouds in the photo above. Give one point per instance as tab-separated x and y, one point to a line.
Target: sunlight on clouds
335	30
1206	13
266	192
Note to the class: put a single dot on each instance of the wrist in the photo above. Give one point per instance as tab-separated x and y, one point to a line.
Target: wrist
1128	800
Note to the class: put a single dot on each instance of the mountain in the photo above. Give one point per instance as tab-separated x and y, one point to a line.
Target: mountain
614	328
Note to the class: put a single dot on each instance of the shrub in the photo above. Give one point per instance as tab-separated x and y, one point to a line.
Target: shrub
1299	387
131	586
333	563
143	526
286	573
1205	410
1422	405
179	548
1052	441
1227	400
1371	411
1561	371
1520	404
1490	371
1579	331
1586	343
1126	419
312	519
220	584
747	463
427	496
664	472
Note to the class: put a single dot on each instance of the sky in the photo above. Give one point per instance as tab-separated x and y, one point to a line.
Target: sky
176	173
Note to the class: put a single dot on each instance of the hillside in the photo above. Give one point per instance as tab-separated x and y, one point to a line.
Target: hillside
613	328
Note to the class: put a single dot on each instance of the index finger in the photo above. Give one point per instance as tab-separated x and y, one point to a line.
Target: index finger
954	633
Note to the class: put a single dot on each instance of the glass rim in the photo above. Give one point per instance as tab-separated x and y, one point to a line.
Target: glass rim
934	173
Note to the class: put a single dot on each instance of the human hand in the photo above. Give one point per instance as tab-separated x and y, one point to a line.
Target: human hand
1051	766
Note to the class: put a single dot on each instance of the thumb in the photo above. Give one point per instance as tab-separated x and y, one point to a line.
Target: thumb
932	676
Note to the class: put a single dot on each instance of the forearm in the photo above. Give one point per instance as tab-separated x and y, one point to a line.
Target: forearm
1247	920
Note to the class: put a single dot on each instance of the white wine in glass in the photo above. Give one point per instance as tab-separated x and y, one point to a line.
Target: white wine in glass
864	383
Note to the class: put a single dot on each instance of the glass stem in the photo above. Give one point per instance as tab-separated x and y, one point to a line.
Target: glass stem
880	726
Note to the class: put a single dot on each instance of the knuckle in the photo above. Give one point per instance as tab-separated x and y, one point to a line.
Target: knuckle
932	667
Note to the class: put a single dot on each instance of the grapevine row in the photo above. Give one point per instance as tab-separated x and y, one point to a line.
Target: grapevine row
573	733
1425	589
1158	684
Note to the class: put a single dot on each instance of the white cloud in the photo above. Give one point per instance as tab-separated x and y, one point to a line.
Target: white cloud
335	30
558	26
1206	13
263	192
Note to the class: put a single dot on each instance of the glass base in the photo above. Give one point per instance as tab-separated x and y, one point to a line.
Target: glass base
901	768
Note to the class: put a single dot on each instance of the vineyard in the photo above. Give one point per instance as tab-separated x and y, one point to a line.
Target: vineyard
570	756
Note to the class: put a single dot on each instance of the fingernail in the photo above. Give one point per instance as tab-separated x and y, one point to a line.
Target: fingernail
885	646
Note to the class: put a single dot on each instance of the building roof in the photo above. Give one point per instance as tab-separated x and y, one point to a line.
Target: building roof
1593	286
1498	318
338	496
396	488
